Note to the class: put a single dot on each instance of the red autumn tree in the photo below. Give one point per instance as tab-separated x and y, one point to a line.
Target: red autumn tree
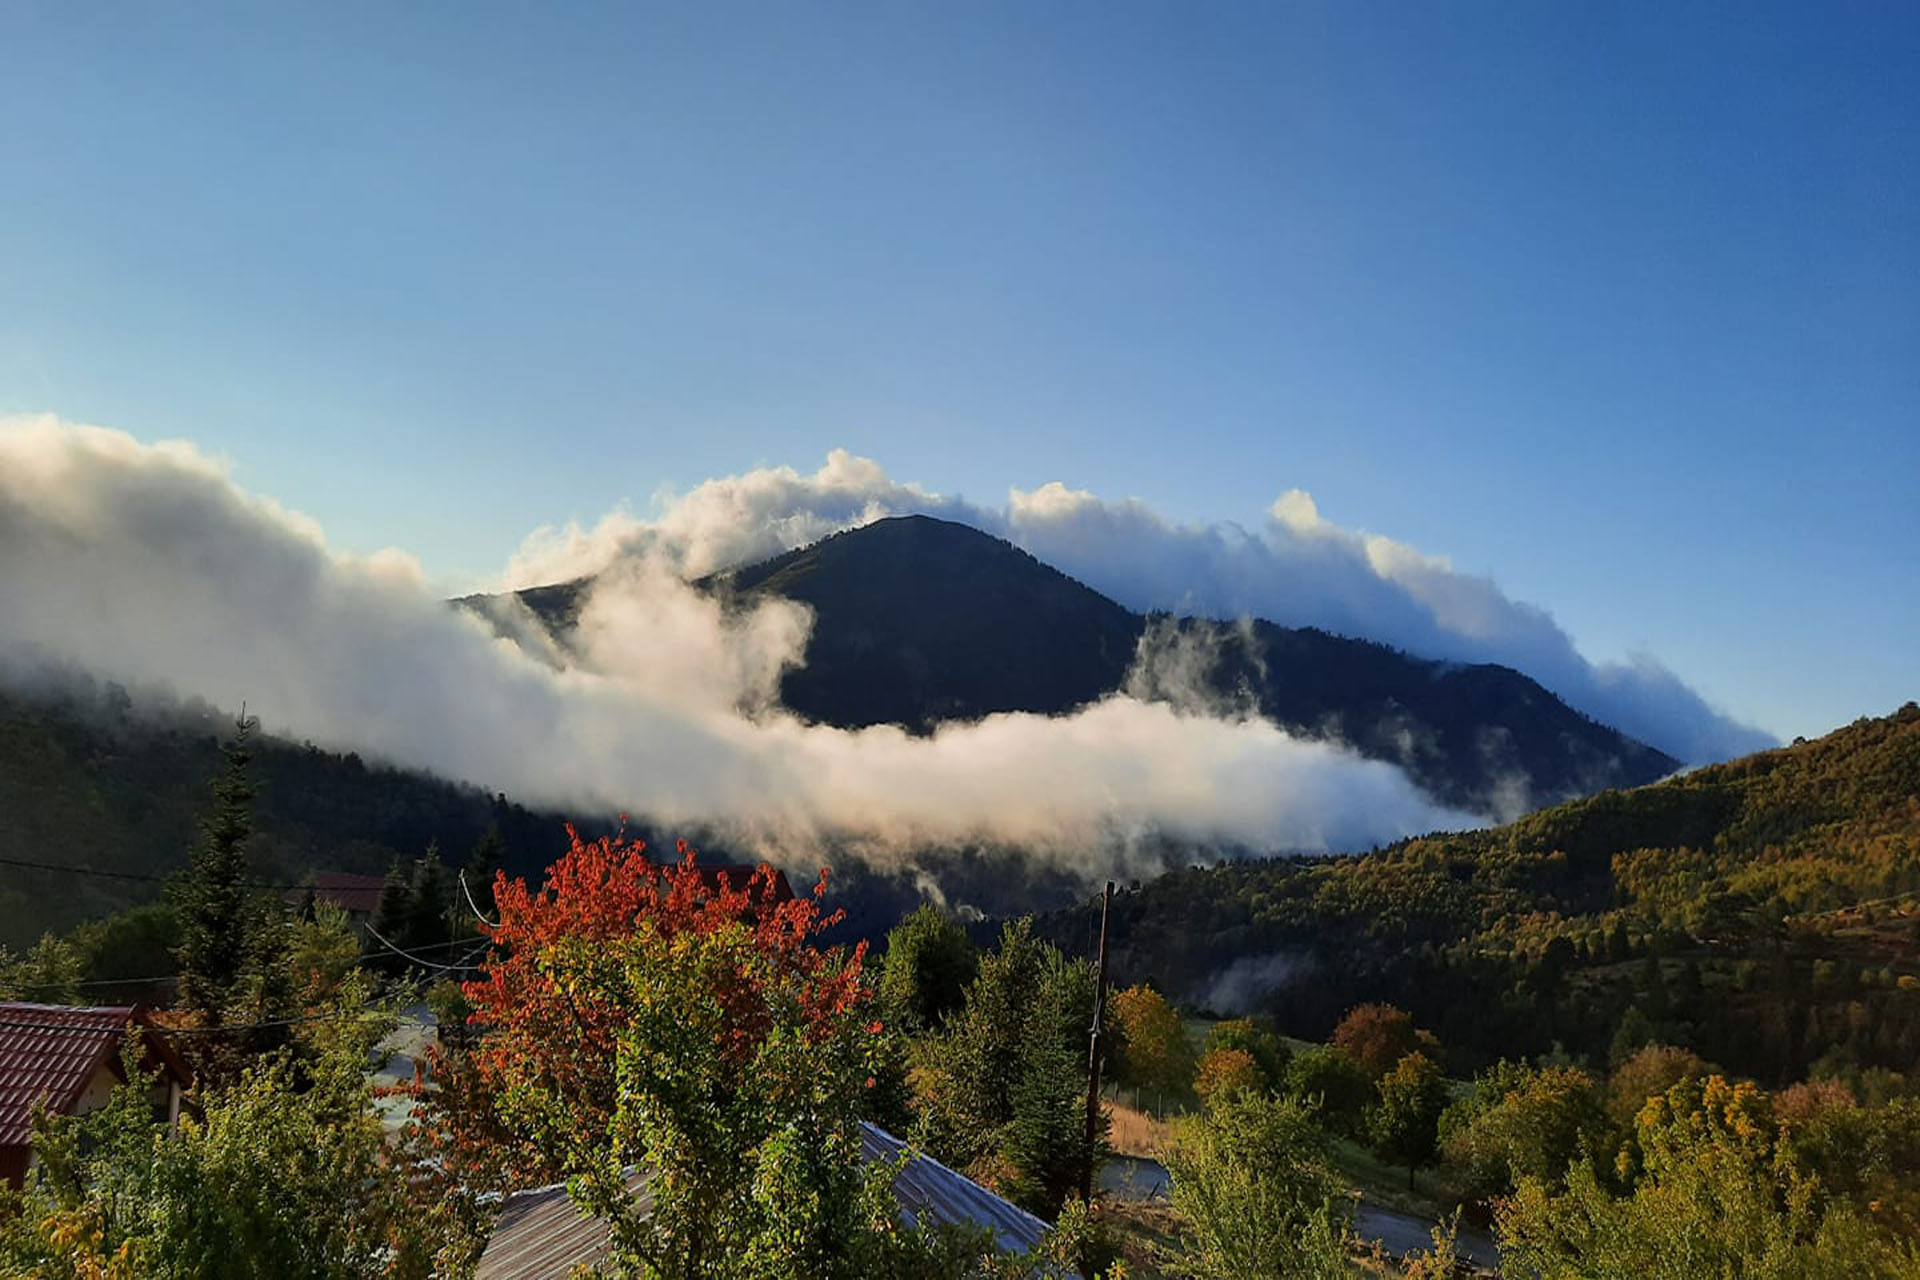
639	1015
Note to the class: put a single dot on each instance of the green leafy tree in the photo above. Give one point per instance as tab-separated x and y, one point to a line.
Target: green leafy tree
1251	1180
132	946
1404	1124
1157	1055
925	970
1523	1123
50	973
1336	1086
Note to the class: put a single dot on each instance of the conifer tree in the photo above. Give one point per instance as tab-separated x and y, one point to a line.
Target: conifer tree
486	858
428	899
212	898
390	919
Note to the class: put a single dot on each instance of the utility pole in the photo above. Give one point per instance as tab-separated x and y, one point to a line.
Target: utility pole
1093	1048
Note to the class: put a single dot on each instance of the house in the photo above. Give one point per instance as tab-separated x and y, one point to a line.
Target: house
540	1235
357	895
68	1059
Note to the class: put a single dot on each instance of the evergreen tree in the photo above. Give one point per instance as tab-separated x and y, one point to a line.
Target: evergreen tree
390	919
428	900
486	858
924	975
212	898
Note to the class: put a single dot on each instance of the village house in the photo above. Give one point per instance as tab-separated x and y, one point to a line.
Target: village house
357	895
68	1059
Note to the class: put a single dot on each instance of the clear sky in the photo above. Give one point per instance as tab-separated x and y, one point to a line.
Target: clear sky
1618	304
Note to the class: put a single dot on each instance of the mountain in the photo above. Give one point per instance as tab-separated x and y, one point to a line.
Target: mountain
919	621
1764	912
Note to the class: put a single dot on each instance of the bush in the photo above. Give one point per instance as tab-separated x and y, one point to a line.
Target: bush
1250	1176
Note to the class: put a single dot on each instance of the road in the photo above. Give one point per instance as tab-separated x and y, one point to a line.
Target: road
1134	1178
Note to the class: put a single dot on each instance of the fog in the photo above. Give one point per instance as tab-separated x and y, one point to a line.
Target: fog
144	562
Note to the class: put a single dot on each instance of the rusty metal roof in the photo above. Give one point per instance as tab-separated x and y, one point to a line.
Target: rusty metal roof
48	1053
540	1235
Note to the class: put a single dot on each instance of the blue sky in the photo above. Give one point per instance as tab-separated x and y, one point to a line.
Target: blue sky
1619	305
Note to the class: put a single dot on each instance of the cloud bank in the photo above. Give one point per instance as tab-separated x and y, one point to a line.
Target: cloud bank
145	563
1298	569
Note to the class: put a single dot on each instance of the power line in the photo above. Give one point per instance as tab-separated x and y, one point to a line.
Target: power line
477	914
98	982
150	876
408	955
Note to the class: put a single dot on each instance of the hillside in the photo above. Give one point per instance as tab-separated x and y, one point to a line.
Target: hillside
88	780
1765	912
918	620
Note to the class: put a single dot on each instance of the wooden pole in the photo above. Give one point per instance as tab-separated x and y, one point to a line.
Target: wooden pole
1093	1048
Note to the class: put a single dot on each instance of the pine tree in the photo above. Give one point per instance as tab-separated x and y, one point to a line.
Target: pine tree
212	898
390	919
428	900
486	858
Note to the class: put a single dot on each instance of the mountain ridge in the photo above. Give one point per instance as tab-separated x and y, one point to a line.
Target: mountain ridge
920	621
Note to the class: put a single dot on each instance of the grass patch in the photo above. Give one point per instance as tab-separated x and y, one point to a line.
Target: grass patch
1386	1184
1135	1133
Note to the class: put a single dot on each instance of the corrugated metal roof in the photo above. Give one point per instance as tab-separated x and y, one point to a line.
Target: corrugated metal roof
540	1235
928	1190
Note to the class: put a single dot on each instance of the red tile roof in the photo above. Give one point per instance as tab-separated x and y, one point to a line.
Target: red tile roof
49	1052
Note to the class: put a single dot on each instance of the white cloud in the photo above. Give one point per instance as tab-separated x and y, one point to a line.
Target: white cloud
145	563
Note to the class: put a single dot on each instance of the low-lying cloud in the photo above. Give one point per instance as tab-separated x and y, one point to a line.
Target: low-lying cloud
145	563
1298	569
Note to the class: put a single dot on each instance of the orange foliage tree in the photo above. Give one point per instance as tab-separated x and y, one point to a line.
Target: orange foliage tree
1227	1071
1377	1036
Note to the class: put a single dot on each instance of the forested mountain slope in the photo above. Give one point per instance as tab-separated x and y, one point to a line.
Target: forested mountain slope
1765	912
918	620
87	780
